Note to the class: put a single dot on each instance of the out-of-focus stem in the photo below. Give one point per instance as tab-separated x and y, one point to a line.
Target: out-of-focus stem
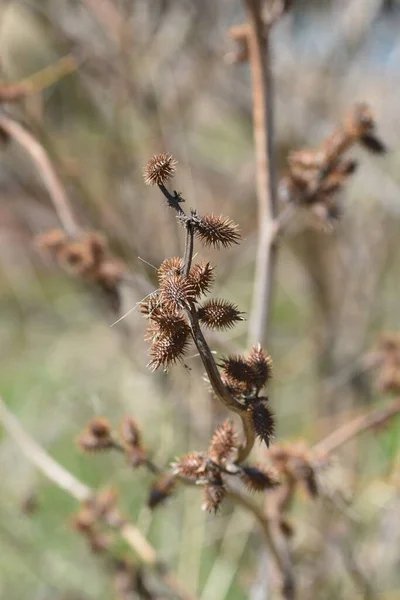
259	59
46	171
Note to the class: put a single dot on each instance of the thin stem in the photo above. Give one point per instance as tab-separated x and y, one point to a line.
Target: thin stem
348	431
173	200
43	165
280	554
259	58
188	255
78	490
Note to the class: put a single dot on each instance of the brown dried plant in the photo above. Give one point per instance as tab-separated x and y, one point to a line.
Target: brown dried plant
317	176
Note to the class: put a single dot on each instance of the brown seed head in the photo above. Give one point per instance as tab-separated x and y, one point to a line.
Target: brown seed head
219	314
191	466
213	495
263	420
177	292
260	364
159	169
202	276
170	266
223	443
168	348
216	231
258	479
236	372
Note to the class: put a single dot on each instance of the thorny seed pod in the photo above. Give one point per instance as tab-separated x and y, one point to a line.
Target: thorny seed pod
159	169
96	436
170	266
167	349
260	364
177	292
150	305
258	479
237	372
161	490
216	231
213	494
130	432
263	420
168	324
191	466
219	314
223	443
202	276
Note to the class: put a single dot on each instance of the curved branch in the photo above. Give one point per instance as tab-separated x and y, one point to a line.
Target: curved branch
46	171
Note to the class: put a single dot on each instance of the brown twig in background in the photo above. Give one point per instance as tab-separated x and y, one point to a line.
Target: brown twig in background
348	431
259	60
78	490
43	165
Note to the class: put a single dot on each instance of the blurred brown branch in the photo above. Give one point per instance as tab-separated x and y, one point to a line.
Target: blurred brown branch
42	163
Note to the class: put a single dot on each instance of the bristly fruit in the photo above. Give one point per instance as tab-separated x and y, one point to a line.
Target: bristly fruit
260	364
202	276
263	420
219	314
159	169
223	443
258	479
168	348
216	231
177	292
213	495
170	266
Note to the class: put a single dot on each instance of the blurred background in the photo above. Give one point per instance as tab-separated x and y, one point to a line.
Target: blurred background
156	76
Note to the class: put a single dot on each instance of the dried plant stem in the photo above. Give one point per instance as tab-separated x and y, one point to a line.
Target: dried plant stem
259	59
78	490
348	431
203	348
280	553
43	165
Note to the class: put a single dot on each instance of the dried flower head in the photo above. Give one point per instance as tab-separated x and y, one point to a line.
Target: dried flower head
202	276
159	169
170	266
216	231
177	292
96	436
168	348
161	490
213	494
260	364
236	372
223	443
263	420
191	466
219	314
258	479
